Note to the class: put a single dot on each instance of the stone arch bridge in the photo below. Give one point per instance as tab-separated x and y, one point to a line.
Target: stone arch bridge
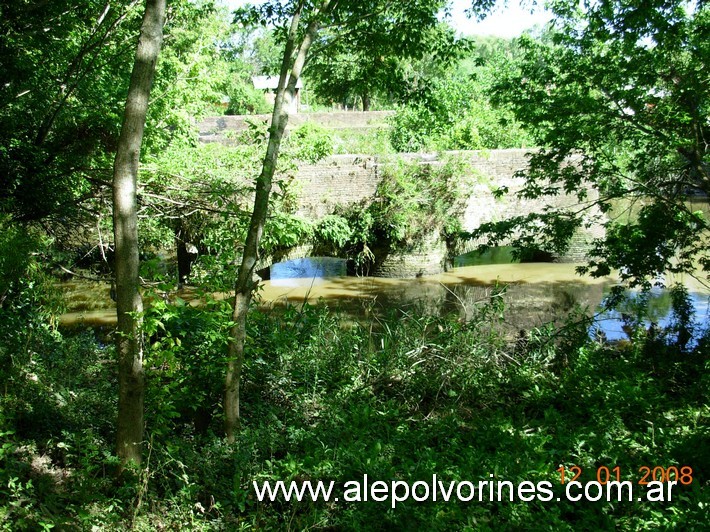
341	181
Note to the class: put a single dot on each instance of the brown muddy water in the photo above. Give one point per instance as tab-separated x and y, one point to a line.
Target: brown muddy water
535	294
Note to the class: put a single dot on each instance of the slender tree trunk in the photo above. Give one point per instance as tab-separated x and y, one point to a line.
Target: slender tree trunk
365	101
129	305
293	60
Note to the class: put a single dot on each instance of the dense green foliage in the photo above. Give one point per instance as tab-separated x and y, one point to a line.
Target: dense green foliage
357	70
398	394
66	73
201	196
310	143
401	397
415	202
246	53
623	89
451	108
47	58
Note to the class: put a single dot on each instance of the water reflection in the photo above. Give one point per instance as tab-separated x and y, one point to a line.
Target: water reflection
536	294
495	255
656	309
317	268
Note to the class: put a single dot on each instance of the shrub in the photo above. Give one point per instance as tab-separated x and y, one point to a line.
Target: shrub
310	142
334	230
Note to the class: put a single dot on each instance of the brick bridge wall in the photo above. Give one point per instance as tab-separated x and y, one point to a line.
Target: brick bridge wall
213	128
344	180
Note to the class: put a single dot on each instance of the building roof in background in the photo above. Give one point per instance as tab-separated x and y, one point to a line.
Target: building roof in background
270	82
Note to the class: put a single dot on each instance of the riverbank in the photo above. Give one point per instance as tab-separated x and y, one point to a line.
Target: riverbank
401	397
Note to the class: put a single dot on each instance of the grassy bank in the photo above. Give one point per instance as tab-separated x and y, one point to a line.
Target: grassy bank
397	398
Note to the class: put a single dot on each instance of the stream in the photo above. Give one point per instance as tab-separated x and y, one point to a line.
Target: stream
535	293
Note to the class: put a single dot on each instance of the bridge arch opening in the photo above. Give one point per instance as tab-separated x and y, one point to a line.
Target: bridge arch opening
500	255
305	268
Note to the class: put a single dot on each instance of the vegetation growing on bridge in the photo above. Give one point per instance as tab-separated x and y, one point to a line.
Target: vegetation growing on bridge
398	396
414	202
622	91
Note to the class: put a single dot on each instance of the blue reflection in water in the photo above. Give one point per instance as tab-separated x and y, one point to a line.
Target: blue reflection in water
658	310
316	268
652	308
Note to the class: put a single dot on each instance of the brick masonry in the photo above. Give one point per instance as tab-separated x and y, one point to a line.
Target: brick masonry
346	180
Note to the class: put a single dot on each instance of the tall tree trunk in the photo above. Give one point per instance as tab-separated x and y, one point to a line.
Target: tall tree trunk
129	305
291	68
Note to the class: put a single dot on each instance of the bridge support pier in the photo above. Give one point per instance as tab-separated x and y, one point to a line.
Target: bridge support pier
426	258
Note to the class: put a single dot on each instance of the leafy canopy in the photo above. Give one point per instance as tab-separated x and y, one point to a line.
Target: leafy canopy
622	86
65	69
449	108
354	65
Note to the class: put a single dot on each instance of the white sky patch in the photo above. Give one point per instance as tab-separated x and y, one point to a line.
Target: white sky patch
507	21
504	21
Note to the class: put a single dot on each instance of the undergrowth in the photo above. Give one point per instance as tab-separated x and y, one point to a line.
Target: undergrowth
404	397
